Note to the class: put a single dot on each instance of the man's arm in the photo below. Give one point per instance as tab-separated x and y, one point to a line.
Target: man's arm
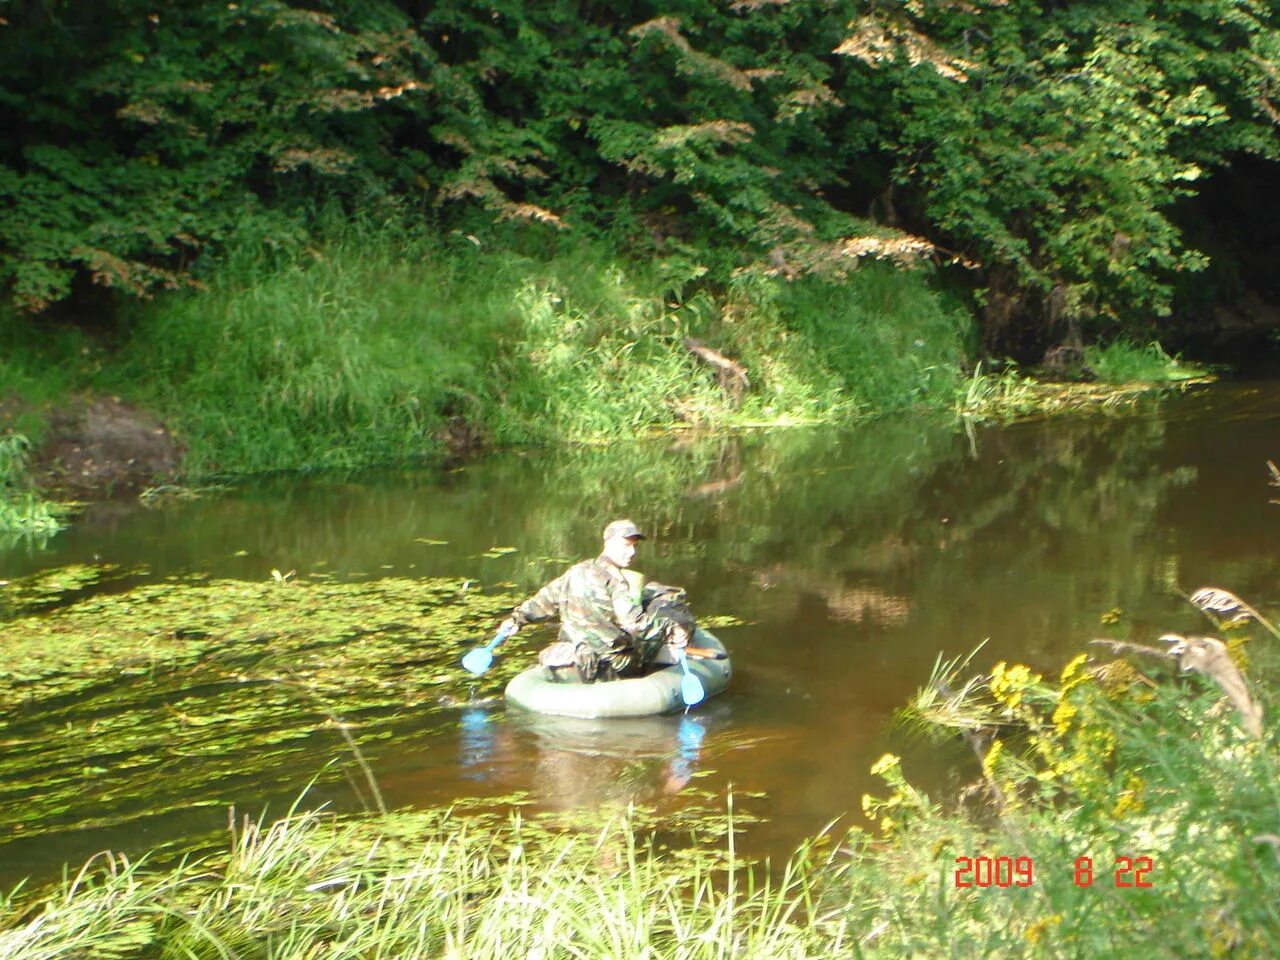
543	605
626	597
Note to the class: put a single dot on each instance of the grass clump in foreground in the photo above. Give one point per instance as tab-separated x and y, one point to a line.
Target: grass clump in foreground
1143	807
419	885
1140	808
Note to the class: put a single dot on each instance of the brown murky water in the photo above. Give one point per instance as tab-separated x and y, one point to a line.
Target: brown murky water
853	557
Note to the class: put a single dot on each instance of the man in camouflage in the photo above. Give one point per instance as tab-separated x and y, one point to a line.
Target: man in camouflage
612	623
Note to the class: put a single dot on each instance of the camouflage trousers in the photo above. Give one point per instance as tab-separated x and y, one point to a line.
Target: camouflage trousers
672	623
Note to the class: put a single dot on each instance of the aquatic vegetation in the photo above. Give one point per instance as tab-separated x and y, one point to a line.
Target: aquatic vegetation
1008	393
1123	361
49	587
178	689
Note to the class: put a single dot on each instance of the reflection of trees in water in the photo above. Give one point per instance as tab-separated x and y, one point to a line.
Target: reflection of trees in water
1036	529
1053	527
867	519
847	603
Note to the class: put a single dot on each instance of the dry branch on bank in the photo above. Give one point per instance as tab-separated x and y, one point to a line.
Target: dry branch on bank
1208	656
730	375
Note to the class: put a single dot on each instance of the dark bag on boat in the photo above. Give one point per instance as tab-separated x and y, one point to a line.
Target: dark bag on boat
668	605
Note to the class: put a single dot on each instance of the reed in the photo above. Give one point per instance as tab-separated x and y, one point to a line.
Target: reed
422	885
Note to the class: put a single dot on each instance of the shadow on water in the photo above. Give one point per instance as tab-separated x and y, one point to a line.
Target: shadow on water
847	560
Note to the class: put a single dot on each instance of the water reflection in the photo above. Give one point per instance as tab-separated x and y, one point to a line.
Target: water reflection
580	763
475	743
852	557
684	764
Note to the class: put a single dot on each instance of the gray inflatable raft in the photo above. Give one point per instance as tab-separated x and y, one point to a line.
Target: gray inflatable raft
656	692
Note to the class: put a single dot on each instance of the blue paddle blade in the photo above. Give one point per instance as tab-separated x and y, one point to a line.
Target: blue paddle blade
478	660
481	658
691	689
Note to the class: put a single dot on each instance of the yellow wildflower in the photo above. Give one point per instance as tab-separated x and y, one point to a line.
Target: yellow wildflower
1063	714
992	758
885	764
1038	929
1071	673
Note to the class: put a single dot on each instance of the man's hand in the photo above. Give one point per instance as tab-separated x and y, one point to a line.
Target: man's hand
509	627
681	635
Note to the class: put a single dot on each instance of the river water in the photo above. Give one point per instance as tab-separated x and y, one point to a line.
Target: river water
849	559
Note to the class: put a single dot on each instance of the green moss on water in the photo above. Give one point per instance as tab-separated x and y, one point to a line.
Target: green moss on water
322	632
48	587
171	690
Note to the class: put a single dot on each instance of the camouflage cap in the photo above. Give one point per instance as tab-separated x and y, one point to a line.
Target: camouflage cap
623	528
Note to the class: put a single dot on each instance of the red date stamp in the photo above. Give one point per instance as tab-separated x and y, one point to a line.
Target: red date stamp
1006	872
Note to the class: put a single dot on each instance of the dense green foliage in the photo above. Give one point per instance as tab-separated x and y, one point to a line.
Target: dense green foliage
1042	142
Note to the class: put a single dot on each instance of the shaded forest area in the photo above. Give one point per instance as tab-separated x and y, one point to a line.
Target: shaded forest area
1085	170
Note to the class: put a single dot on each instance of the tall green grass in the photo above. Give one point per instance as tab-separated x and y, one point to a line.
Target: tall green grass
41	365
365	347
334	357
381	344
420	886
1123	361
887	339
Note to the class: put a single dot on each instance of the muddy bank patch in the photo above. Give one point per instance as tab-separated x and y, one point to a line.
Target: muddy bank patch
101	446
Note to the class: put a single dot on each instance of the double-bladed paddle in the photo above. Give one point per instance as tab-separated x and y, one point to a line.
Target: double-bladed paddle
481	658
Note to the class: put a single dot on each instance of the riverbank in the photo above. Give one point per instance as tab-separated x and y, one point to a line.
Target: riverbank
376	347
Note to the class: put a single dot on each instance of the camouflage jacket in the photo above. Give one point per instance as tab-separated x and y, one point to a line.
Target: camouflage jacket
596	604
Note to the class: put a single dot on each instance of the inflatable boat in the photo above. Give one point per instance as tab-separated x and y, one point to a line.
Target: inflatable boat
655	692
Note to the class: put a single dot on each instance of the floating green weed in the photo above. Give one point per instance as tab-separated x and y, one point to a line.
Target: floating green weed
48	587
173	690
1010	394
